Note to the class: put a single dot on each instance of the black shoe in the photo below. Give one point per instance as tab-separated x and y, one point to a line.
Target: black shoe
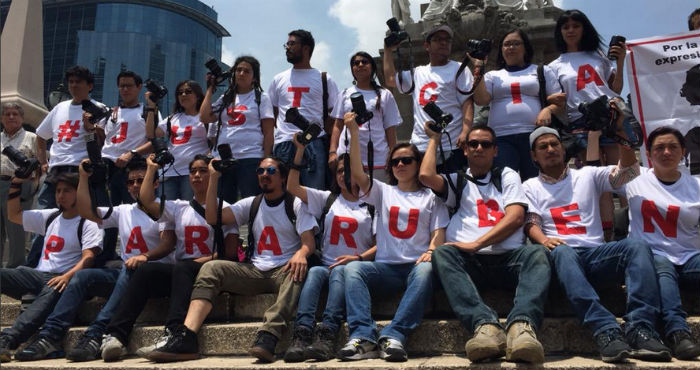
300	340
87	349
647	345
322	347
6	345
682	345
612	346
41	348
264	347
181	346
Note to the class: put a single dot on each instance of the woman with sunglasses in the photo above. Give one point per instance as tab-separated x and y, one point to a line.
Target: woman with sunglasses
515	109
186	134
411	223
380	130
247	125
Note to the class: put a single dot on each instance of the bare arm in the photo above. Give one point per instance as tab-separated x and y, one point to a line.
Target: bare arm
41	153
84	202
481	95
437	238
86	260
428	175
389	68
150	117
356	167
293	185
205	111
227	216
467	121
147	194
391	137
268	129
297	265
335	140
165	246
616	81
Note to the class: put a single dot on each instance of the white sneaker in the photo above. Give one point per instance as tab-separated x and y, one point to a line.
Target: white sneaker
392	350
112	349
358	349
160	342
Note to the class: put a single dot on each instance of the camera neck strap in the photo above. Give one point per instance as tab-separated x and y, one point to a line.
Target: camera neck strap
93	201
478	75
410	67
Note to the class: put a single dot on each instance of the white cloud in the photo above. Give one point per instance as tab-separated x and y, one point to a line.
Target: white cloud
321	58
367	18
226	55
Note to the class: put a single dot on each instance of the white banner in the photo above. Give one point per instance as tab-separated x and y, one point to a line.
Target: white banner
663	73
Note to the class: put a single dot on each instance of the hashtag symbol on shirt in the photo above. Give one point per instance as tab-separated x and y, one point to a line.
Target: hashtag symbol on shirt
67	131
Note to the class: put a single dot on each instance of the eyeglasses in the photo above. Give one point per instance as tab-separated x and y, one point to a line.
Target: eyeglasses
484	144
359	62
195	170
290	44
125	87
138	181
405	160
270	170
185	92
512	44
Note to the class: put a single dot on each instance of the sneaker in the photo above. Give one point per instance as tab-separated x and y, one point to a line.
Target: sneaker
682	345
322	347
522	344
160	342
392	350
301	338
87	349
41	348
647	345
358	349
6	345
264	347
182	346
488	342
612	346
112	349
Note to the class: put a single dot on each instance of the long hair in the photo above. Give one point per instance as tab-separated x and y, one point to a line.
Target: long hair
196	88
416	154
372	77
255	64
335	187
590	39
529	52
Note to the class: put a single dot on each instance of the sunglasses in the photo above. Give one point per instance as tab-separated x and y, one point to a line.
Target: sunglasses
185	92
270	171
405	160
484	144
359	62
138	181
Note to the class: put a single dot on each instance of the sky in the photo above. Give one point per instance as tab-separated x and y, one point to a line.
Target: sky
342	27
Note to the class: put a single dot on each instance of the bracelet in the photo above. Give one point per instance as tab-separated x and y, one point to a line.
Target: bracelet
429	251
297	167
332	152
359	257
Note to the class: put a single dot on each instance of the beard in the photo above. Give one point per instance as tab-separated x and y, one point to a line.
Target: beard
294	58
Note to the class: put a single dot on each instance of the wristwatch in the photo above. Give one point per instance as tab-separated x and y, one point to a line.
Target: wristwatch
133	152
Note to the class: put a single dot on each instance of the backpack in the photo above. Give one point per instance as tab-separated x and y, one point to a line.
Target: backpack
462	178
218	231
254	207
53	216
322	224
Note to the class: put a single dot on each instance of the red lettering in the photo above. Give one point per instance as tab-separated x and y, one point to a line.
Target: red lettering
515	92
298	91
560	220
668	225
337	229
53	244
67	131
268	241
422	100
488	212
236	114
121	136
200	239
185	137
136	241
586	75
411	225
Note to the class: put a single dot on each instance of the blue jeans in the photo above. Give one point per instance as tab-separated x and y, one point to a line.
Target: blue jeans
670	276
514	152
241	180
629	261
316	279
176	187
383	278
315	159
103	282
525	270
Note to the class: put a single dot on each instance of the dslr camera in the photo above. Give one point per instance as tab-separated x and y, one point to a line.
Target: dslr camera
226	156
479	49
309	130
362	115
396	34
157	90
25	166
440	118
599	116
160	149
98	113
215	69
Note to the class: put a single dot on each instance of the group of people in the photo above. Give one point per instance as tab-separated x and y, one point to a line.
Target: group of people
457	204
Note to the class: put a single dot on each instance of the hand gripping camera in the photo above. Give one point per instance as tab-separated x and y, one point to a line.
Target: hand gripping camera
157	90
160	149
226	161
98	113
215	69
362	115
396	34
440	118
599	116
25	166
479	49
309	130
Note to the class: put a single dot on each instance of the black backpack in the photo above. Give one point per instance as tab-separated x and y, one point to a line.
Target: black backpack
462	178
322	224
53	216
288	209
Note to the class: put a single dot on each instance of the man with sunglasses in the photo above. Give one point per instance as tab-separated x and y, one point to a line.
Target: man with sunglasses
142	239
312	92
485	248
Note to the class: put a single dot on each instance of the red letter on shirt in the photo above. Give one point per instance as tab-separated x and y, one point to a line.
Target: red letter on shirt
669	225
515	92
421	97
237	117
411	226
337	229
136	241
268	240
586	75
560	220
185	137
298	91
488	212
121	136
53	244
200	240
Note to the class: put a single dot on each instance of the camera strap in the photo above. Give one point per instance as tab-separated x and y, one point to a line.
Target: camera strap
218	232
402	69
324	85
478	76
93	201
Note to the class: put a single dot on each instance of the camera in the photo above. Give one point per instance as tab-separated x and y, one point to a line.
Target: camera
614	41
479	49
160	149
215	69
98	112
440	118
362	115
599	116
309	131
226	156
396	34
25	166
157	90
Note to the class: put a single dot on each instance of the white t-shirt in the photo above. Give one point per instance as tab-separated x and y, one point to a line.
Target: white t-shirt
405	221
584	76
138	233
195	238
275	237
667	217
347	229
437	83
300	88
482	207
240	125
570	208
188	137
61	249
387	116
515	100
64	124
126	132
